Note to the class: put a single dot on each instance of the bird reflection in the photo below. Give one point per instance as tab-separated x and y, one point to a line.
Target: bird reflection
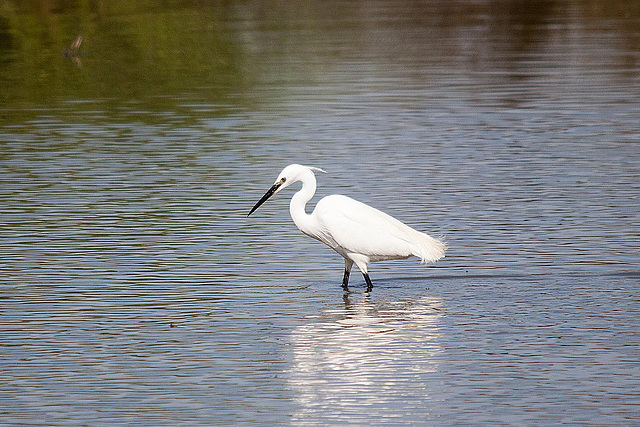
366	353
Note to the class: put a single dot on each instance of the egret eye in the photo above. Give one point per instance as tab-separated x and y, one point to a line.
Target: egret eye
283	180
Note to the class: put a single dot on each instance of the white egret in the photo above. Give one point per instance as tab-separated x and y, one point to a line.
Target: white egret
358	232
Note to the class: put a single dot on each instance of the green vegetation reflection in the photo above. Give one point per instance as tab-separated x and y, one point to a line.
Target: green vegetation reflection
129	50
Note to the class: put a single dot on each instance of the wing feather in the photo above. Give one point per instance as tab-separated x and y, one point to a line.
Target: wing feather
355	227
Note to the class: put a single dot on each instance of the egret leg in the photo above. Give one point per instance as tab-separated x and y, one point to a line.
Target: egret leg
345	281
361	261
347	271
368	280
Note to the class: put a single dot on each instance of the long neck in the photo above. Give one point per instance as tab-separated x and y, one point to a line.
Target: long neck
299	201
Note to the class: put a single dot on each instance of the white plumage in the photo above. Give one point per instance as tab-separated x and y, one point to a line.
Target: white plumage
358	232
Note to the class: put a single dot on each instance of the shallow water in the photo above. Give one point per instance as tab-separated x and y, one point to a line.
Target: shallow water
136	291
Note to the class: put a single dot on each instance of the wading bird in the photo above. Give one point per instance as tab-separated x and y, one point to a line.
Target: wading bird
358	232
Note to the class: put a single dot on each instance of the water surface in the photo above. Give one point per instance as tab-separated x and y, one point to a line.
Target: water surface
136	291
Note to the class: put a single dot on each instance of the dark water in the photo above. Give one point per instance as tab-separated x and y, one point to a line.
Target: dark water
135	290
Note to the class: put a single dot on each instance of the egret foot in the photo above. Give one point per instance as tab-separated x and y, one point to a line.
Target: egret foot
368	280
345	281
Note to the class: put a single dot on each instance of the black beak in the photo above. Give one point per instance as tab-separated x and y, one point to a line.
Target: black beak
266	196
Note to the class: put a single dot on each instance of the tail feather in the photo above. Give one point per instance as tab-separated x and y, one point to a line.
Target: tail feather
429	249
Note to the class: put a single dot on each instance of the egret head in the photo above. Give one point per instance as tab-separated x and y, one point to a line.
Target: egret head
289	175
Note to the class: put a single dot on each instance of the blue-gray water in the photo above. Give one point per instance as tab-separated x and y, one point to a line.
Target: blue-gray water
135	290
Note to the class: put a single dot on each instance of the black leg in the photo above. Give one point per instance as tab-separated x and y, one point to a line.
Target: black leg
345	280
368	280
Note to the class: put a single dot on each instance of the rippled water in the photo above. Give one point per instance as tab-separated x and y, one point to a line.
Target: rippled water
136	291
